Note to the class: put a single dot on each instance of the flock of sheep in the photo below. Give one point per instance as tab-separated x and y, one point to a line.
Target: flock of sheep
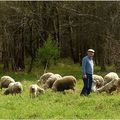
108	84
48	80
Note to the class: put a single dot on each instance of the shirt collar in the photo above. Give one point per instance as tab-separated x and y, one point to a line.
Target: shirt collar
89	57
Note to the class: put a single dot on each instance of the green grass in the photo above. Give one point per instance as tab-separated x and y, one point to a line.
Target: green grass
68	105
59	105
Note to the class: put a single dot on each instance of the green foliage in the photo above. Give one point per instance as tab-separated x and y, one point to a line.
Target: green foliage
48	52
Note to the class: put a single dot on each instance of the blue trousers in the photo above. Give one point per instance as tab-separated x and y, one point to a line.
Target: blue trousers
87	85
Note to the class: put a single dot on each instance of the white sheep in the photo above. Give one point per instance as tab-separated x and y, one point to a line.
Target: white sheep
117	84
94	84
51	80
65	83
98	82
35	90
44	78
14	88
110	87
110	76
5	81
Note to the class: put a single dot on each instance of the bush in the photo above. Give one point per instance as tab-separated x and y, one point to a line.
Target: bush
48	52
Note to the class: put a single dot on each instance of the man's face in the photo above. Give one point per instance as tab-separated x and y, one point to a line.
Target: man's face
91	54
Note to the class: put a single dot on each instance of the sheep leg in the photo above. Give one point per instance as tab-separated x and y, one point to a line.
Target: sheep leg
109	92
20	95
34	95
73	90
30	95
118	89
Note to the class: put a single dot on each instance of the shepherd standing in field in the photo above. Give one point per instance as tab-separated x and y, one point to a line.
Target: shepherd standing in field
87	71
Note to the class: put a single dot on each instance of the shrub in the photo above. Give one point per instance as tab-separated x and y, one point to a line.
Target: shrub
48	52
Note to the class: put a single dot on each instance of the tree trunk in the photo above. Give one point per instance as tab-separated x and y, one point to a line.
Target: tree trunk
31	65
70	29
5	56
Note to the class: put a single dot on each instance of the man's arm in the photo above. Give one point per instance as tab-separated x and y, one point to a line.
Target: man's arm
84	68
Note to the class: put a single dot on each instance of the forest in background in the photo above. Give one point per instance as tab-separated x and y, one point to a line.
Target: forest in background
74	26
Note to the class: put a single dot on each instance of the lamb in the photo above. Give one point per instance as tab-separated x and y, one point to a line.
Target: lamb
109	77
5	81
14	88
98	82
51	80
44	78
35	90
65	83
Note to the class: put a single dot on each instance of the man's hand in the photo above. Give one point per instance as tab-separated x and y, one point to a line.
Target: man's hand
84	76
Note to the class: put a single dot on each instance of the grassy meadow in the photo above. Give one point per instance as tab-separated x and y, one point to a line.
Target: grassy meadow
67	105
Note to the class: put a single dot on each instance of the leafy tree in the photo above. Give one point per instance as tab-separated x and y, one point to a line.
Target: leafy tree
48	52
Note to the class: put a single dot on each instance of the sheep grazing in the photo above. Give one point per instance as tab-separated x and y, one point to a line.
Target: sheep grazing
98	82
94	86
108	84
5	81
117	84
51	80
65	83
113	85
109	77
35	90
44	78
14	88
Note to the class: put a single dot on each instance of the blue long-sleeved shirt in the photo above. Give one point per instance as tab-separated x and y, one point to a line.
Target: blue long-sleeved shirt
87	65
